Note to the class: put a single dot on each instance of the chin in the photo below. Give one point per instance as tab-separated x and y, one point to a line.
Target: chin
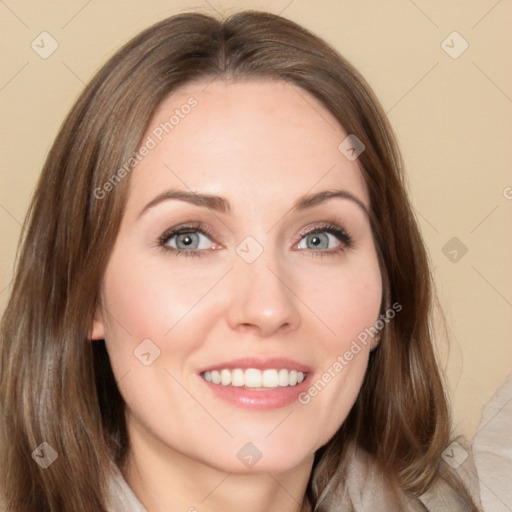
252	457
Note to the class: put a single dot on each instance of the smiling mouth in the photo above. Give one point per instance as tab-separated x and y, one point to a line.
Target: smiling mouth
255	379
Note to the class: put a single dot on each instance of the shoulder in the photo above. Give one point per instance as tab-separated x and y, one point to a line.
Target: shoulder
444	495
492	448
360	485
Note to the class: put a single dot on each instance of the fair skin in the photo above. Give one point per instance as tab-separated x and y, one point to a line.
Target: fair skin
261	146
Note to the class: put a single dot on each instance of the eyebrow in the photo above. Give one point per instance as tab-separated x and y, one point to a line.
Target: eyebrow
221	204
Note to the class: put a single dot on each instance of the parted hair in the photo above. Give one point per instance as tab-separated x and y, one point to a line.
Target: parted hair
57	386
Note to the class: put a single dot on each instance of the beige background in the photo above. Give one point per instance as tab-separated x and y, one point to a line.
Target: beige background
453	118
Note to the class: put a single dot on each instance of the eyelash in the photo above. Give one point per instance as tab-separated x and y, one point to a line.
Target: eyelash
340	233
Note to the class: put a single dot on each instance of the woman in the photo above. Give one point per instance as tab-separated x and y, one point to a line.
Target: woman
222	299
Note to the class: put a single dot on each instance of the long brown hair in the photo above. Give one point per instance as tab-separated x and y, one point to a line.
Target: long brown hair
58	387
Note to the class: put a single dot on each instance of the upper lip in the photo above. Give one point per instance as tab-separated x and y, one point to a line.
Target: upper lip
260	364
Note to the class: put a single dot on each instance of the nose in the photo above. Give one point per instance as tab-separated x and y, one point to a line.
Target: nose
262	301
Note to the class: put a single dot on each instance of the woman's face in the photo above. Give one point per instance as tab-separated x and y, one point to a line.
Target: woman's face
269	280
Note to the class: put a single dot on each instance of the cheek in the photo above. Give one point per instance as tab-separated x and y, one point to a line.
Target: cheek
346	298
149	297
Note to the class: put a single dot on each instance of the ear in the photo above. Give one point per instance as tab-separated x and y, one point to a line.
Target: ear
97	331
375	342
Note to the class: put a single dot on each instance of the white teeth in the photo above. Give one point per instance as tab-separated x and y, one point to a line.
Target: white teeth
254	378
237	378
216	377
270	379
225	377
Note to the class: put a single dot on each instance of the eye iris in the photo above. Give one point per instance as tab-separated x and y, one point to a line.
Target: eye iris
187	240
318	240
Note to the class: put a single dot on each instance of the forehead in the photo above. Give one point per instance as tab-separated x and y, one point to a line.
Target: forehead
255	142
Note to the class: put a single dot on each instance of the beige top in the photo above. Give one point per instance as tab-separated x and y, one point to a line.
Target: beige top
122	498
364	491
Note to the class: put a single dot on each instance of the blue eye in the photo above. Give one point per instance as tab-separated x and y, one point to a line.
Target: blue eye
321	240
327	238
186	240
192	240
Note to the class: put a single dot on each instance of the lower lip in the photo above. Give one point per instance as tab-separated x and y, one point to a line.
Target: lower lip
274	398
